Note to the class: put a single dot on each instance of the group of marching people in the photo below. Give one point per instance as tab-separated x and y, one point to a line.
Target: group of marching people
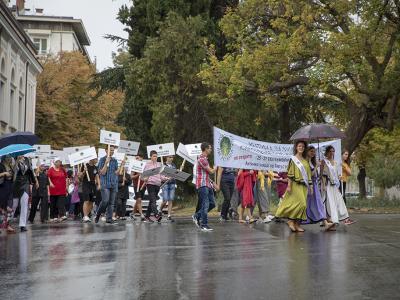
85	192
310	191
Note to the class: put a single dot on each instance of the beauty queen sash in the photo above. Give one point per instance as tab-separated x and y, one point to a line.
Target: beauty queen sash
332	173
302	169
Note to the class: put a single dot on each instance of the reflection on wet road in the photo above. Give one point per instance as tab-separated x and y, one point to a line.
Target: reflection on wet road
177	261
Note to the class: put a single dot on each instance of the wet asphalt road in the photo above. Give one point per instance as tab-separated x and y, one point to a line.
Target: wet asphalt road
177	261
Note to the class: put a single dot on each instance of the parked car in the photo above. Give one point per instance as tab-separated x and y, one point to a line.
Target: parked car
130	203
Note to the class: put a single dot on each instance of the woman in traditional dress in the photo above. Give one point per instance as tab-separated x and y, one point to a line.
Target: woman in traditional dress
335	206
316	211
294	202
245	185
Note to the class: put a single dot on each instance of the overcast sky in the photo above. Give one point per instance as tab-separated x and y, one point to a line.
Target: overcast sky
99	18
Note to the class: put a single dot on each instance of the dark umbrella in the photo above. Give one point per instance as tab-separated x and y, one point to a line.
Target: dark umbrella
317	132
18	137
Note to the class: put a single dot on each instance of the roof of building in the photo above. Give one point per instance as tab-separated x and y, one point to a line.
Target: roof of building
20	33
77	24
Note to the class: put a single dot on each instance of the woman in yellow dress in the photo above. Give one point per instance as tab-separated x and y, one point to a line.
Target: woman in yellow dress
294	202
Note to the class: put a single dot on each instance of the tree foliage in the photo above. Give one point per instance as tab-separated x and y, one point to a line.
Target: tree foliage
67	111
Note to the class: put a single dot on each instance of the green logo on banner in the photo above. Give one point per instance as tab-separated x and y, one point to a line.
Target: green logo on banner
225	147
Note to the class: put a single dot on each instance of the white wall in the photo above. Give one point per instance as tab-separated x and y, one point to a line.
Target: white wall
12	110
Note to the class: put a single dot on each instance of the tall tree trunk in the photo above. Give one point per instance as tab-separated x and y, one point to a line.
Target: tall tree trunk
358	127
362	174
285	124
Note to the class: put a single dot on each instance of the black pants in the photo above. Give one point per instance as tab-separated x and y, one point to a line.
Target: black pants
152	190
344	191
57	206
227	189
44	208
121	207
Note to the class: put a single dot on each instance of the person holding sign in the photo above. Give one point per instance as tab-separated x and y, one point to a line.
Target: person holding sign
40	195
294	202
168	191
124	181
139	193
245	185
226	180
89	175
335	206
204	188
153	184
108	170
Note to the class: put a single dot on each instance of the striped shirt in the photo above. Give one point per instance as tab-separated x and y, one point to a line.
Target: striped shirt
202	174
110	179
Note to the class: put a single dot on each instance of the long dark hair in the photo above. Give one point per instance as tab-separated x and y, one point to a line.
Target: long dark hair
328	149
305	148
313	159
347	161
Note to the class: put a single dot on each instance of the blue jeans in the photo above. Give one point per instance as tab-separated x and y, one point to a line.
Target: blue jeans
107	202
168	193
207	203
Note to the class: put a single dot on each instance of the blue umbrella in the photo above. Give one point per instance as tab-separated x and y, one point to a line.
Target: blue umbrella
18	137
16	150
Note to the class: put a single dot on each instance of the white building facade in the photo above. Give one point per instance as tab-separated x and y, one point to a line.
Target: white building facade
19	69
52	34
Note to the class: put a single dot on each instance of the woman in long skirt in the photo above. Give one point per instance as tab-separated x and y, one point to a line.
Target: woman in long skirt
245	185
294	202
335	206
316	211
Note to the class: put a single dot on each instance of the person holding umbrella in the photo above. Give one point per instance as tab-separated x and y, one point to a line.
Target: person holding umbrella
294	202
6	190
23	179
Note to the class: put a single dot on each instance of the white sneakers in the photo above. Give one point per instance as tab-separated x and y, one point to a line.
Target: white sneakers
268	218
86	219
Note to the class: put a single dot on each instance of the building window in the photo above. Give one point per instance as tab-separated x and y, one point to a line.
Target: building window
40	45
3	114
21	113
12	109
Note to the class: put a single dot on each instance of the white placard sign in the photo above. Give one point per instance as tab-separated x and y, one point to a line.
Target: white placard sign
82	156
119	157
56	153
109	137
137	166
193	149
162	149
175	174
233	151
182	152
70	150
42	150
128	147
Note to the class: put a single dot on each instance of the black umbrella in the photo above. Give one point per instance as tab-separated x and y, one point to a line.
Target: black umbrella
317	132
18	137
